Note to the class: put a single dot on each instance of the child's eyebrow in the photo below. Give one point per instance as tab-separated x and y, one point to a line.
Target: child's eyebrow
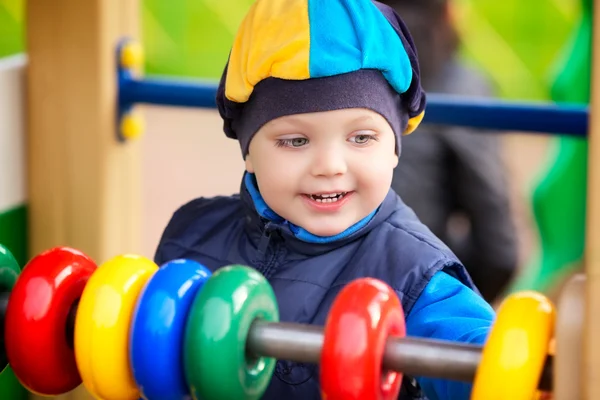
289	122
293	119
361	119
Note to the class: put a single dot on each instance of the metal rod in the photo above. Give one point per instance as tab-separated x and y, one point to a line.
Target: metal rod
303	343
412	356
475	112
168	92
498	115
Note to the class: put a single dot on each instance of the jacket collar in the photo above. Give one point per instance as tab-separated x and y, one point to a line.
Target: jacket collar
262	221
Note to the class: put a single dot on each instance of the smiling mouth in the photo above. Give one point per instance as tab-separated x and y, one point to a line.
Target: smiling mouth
327	198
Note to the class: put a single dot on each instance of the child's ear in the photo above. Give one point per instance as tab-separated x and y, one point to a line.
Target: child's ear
249	166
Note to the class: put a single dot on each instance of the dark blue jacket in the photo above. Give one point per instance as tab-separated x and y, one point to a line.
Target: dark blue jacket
307	272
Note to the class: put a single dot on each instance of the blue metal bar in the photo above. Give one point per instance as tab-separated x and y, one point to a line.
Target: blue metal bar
168	92
563	119
483	113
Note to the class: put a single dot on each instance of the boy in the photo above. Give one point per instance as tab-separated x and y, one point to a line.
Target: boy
318	93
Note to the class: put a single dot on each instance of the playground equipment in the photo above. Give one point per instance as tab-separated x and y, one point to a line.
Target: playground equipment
569	119
117	333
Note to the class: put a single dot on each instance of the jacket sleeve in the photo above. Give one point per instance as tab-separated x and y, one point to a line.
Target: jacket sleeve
449	310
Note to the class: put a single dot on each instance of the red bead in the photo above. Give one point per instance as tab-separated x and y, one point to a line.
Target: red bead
38	350
364	314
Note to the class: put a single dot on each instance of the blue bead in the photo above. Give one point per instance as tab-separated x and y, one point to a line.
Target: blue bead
158	328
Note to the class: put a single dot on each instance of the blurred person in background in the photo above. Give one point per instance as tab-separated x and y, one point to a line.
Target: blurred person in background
454	177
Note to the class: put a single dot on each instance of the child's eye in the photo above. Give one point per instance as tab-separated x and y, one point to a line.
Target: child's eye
294	142
362	138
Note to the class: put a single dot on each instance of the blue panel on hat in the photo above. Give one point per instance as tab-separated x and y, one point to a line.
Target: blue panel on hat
347	35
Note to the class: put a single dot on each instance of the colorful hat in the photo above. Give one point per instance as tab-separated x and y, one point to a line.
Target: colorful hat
299	56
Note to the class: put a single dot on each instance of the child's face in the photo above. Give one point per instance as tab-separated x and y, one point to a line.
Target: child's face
349	153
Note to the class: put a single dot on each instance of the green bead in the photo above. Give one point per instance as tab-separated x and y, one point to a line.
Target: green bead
9	273
215	359
9	270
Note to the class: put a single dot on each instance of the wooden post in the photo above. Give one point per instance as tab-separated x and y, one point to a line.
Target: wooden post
591	356
84	186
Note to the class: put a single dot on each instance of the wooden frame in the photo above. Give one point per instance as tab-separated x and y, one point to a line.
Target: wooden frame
84	185
590	378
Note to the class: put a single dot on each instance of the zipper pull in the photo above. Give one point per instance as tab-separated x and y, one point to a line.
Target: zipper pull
265	239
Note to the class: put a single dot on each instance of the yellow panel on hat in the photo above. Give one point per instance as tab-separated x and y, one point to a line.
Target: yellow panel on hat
414	123
273	41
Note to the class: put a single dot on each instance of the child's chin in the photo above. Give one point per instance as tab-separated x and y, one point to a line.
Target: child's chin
326	231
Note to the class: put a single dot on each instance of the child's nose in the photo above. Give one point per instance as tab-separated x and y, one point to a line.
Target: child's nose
329	162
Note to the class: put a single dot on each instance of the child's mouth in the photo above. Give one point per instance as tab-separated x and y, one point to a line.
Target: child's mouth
327	197
328	202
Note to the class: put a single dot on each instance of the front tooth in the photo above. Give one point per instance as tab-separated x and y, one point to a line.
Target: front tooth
328	198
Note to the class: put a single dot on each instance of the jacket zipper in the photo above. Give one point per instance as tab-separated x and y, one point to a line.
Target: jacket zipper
268	258
265	240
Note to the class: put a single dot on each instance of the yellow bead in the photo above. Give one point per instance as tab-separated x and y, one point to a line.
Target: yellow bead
132	55
132	126
102	324
515	352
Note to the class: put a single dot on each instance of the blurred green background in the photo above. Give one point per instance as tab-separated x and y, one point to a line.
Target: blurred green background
515	42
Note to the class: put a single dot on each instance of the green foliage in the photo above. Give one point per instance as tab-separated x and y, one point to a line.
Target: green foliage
11	27
517	43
